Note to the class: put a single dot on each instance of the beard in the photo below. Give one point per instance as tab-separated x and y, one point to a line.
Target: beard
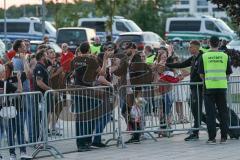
45	61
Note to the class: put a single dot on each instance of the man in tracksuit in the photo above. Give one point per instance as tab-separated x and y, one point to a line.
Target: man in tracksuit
196	90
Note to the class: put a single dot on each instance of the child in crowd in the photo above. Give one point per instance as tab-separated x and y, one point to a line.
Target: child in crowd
136	118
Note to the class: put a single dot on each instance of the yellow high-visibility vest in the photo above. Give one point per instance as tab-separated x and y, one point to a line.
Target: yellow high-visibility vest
215	66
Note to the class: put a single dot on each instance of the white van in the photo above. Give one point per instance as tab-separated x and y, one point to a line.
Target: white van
74	36
120	25
27	28
197	28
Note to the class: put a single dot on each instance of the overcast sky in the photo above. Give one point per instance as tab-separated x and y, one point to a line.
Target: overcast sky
20	2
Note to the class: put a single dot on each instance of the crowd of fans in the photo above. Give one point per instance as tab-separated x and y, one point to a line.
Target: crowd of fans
106	64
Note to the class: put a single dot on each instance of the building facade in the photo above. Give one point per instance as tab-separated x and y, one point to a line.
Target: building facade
197	7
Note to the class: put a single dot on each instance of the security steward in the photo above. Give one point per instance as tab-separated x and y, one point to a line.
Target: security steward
214	69
150	54
96	46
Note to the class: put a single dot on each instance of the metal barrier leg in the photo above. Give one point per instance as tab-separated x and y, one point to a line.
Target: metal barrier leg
120	138
47	149
150	134
44	134
115	130
143	122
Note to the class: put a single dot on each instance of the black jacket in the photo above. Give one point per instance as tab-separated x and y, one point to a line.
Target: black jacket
190	62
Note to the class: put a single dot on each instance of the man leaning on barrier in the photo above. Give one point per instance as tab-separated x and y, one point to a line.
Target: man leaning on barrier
40	81
88	103
196	90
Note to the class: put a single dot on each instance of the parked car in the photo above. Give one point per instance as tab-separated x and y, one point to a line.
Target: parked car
120	25
74	36
234	44
53	45
27	28
197	28
141	39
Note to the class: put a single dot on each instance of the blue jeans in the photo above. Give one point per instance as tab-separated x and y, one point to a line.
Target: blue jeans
86	127
100	125
16	126
1	130
150	106
167	107
123	105
31	118
167	103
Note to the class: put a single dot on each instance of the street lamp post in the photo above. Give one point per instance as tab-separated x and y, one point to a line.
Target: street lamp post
24	10
112	15
5	23
43	18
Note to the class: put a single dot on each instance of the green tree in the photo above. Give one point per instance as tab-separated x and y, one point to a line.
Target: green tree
233	9
109	8
151	15
103	7
1	13
68	14
64	15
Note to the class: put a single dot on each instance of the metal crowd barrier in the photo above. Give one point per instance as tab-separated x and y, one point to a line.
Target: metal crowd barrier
88	113
21	122
234	103
157	108
164	108
81	113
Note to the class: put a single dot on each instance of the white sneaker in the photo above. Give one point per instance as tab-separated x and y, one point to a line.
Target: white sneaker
13	157
23	155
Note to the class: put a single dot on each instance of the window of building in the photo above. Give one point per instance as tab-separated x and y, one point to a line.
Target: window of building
211	26
184	2
181	9
218	10
202	10
202	3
